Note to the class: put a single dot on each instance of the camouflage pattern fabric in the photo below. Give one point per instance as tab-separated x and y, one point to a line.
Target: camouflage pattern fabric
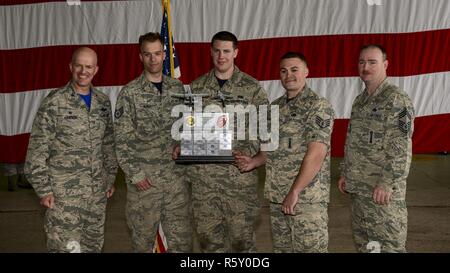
71	155
225	202
74	221
378	151
169	203
378	147
304	232
144	144
304	119
11	169
384	225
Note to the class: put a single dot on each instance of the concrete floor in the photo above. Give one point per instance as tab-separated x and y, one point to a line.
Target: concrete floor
428	199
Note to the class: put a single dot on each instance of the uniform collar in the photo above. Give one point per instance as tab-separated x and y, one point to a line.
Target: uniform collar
77	99
72	91
306	91
235	78
148	85
70	86
379	89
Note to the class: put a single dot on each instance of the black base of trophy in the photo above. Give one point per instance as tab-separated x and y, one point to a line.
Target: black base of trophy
186	159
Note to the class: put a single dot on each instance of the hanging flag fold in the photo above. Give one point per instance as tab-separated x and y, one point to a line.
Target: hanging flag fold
171	66
160	245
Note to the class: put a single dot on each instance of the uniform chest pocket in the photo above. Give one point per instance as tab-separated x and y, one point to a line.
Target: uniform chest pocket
100	123
240	100
367	133
72	127
292	132
148	113
71	118
375	113
99	118
168	104
294	120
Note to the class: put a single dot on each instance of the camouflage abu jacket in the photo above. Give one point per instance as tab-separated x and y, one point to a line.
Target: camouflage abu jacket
304	119
143	125
378	147
71	150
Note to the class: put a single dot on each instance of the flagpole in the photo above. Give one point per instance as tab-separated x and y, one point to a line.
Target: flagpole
166	6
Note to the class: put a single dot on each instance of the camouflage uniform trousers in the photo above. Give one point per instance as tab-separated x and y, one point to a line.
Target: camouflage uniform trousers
12	169
76	222
168	202
385	224
225	205
304	232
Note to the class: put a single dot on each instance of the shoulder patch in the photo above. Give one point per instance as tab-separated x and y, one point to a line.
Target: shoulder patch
323	122
404	121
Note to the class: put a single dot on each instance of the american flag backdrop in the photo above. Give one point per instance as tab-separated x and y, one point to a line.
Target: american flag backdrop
38	38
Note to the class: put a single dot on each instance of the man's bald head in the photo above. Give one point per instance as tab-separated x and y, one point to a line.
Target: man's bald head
84	51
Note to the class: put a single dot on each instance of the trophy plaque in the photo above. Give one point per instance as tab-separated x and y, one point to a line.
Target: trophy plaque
206	138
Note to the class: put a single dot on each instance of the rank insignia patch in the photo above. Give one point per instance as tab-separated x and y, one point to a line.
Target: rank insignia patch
404	121
323	123
118	113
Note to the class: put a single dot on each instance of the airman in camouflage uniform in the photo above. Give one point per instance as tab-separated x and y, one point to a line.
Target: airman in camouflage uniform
298	172
377	158
71	161
156	190
225	202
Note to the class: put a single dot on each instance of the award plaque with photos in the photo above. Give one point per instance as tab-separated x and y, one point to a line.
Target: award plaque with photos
206	138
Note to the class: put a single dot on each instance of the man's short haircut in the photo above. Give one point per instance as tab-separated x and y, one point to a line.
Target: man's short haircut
380	47
225	36
293	54
150	37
